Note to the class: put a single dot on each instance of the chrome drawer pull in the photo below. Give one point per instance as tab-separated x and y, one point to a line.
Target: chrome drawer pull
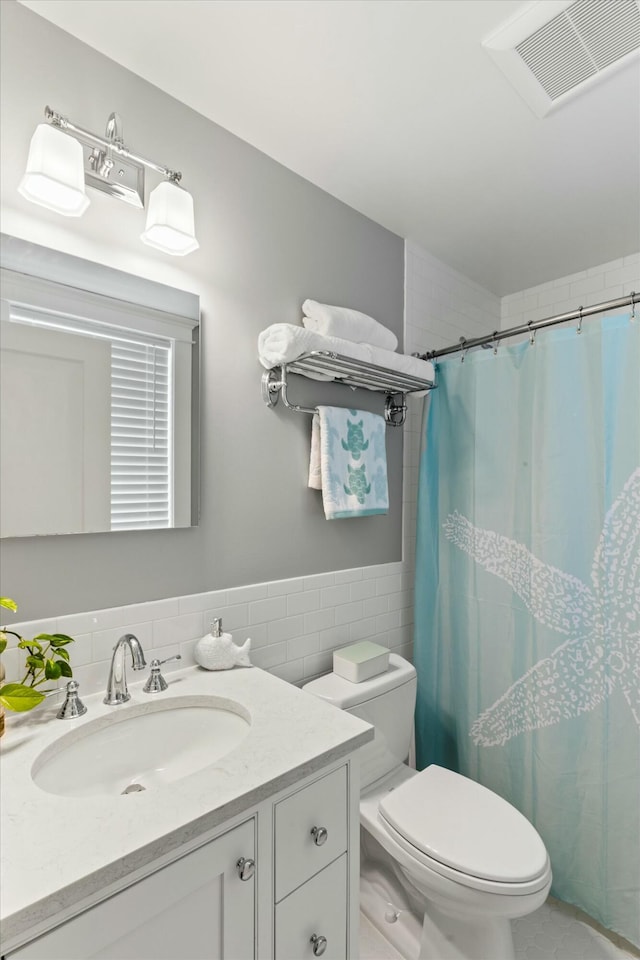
246	868
319	835
319	945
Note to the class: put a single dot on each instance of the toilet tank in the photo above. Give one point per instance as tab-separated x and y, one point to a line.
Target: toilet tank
387	702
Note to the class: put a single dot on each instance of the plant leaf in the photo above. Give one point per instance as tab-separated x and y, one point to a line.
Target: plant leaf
60	652
3	643
17	697
65	669
25	644
35	661
52	670
60	640
43	636
9	604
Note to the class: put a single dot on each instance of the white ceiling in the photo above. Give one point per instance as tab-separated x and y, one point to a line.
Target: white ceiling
394	107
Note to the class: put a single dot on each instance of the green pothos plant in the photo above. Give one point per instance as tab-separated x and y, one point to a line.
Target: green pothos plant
46	660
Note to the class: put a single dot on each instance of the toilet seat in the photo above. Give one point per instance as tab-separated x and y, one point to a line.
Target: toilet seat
465	832
417	863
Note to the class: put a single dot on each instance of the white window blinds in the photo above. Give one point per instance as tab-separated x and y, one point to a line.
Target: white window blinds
141	495
141	417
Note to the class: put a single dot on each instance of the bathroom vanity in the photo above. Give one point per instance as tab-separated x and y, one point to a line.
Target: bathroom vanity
255	855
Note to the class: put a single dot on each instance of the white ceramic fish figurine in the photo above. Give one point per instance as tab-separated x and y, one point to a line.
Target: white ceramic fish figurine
217	651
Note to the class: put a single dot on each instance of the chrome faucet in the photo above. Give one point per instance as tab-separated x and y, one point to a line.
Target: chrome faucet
117	684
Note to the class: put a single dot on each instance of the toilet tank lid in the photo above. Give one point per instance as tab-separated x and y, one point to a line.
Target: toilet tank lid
344	694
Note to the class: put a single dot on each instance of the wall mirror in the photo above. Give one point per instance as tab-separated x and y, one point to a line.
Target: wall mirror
99	397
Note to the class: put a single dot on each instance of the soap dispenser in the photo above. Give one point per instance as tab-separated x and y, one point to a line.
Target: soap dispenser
217	651
206	647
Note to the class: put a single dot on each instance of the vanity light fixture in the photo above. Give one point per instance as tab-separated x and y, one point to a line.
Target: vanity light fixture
64	158
54	177
170	220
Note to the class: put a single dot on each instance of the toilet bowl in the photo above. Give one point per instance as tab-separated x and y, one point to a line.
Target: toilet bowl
450	858
476	862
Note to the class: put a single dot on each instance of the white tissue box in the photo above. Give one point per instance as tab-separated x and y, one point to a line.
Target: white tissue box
361	661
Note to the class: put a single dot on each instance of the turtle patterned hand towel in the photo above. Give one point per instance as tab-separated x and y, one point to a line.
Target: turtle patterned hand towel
349	462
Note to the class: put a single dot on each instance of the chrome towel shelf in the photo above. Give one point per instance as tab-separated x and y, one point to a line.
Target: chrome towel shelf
347	370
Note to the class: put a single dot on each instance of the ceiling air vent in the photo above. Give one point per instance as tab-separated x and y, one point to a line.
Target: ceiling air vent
557	48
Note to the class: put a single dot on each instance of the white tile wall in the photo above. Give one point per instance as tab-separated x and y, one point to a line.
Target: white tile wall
607	281
441	305
294	625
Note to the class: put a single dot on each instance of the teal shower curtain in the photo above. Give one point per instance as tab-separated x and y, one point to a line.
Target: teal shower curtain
527	640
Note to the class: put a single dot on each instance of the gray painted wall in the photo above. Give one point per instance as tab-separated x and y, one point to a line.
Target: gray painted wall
268	239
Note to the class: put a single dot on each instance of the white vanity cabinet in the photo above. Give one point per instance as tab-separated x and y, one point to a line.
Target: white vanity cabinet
196	907
298	852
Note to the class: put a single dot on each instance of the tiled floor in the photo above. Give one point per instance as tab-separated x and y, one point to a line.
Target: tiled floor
372	945
558	932
555	932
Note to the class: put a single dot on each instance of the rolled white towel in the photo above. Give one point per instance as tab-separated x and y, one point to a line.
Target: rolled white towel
285	342
347	324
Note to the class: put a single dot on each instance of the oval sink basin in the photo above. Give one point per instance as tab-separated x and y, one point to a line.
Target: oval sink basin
141	747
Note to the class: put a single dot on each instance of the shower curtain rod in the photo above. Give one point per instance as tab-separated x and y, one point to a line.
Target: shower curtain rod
491	339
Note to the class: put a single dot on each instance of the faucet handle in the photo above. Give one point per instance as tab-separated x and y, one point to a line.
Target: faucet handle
176	656
73	705
156	683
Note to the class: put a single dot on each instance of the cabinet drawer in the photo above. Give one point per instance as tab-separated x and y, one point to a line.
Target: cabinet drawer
321	805
318	907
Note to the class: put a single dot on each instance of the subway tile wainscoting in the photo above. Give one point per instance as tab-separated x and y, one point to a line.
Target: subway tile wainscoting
294	625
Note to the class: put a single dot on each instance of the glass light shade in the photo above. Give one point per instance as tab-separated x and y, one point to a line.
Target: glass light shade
54	177
170	225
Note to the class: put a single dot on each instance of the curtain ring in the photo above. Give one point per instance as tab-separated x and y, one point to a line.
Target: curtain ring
532	333
495	343
462	342
633	305
579	330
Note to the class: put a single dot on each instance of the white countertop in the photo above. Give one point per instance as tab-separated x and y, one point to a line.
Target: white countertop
58	851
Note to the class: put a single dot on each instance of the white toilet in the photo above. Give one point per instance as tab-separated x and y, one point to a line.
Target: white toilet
445	863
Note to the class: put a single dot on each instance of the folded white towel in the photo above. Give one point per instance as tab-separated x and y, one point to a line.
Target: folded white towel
285	342
347	324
